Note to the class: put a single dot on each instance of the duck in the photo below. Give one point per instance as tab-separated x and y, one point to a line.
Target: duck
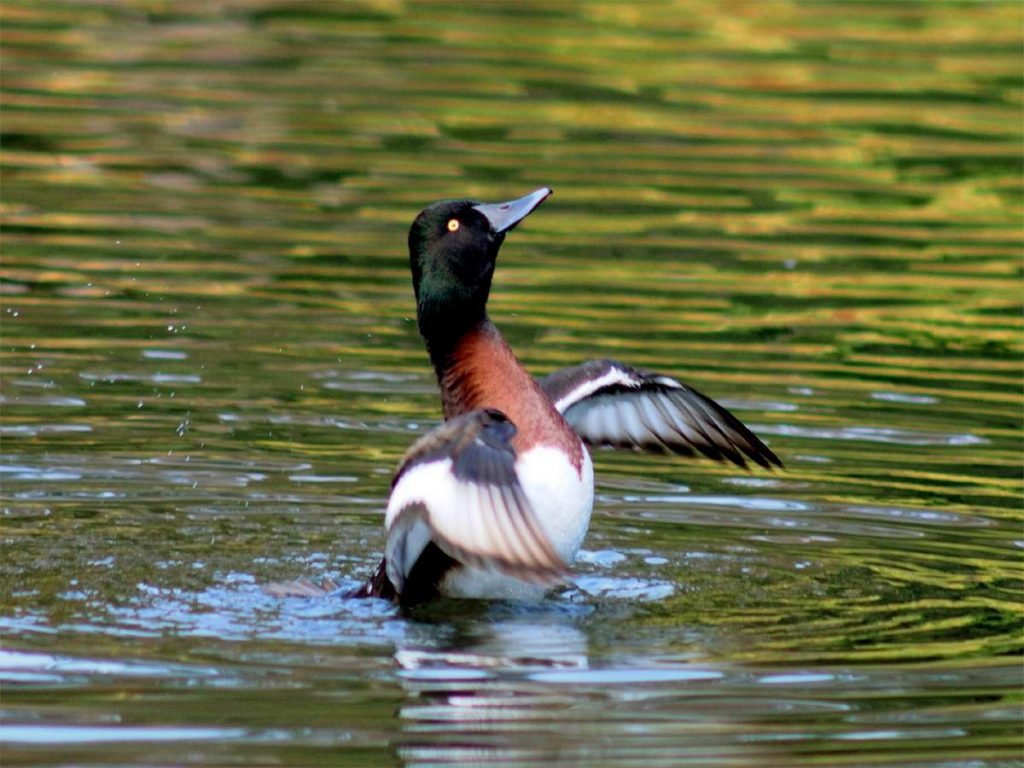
495	501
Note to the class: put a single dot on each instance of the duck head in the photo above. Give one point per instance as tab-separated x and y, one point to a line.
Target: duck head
453	246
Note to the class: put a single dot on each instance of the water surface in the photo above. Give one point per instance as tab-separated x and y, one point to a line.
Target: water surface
809	211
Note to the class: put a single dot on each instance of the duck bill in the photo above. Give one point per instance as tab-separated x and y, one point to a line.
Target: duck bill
504	216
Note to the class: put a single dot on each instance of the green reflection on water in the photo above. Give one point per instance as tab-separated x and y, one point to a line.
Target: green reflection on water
209	367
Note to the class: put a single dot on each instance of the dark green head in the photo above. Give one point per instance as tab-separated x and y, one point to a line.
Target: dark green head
453	246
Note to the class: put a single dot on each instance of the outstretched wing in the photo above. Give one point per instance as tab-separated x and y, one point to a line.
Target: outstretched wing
609	403
457	487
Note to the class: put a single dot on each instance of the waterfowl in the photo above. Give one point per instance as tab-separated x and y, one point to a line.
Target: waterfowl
495	502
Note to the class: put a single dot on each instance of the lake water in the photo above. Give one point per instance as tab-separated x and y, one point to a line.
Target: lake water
210	368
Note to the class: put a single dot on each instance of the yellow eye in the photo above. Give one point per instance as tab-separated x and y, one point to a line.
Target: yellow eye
453	225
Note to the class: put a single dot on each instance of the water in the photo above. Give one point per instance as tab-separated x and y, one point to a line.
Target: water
810	211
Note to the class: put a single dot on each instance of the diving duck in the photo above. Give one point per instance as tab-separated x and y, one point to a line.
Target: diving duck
495	502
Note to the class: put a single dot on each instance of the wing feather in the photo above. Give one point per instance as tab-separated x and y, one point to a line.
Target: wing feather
609	403
457	487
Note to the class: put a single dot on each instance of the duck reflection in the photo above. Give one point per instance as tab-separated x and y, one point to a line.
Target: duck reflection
470	683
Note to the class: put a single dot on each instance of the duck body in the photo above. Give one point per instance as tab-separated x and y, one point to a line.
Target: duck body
551	462
495	502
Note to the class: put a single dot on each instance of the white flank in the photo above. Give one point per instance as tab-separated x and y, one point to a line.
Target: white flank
561	499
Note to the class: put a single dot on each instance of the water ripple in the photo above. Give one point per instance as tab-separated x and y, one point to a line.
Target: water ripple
875	435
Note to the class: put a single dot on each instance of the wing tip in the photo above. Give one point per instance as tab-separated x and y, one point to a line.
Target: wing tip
765	458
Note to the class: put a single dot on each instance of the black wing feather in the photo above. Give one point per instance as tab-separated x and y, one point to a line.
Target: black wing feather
609	403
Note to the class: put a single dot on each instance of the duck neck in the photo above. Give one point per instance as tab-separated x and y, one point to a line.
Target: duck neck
443	329
476	369
444	342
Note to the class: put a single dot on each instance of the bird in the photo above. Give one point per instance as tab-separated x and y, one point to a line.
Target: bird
494	502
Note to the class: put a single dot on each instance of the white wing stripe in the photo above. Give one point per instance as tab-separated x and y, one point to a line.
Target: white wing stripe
435	476
590	386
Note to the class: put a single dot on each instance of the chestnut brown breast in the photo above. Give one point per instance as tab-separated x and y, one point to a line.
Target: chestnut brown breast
483	372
